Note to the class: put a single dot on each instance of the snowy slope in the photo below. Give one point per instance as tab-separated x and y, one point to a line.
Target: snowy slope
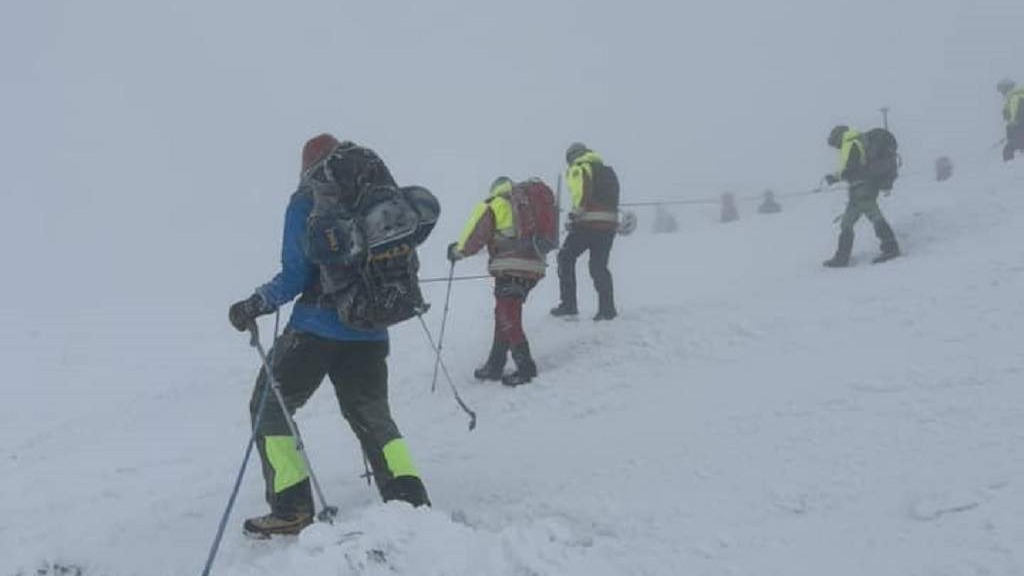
749	414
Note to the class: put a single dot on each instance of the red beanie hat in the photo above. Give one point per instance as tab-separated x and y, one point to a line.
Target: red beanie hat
316	149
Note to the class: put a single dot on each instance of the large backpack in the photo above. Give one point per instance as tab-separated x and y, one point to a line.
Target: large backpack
535	215
362	234
883	159
605	190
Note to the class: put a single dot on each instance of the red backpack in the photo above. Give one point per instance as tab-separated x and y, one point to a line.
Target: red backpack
533	205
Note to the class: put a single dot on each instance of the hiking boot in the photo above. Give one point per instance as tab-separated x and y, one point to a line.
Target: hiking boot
489	372
841	259
273	524
495	365
605	306
407	489
885	256
526	369
564	310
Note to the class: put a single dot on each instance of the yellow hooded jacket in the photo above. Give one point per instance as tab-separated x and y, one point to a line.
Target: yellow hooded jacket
1012	109
852	157
586	211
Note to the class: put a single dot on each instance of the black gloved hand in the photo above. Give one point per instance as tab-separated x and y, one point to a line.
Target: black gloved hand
245	311
453	252
831	179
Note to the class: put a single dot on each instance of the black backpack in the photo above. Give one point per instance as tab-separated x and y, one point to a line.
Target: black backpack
605	191
883	159
362	233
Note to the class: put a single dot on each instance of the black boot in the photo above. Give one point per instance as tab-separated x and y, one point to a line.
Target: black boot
842	256
889	247
526	369
605	306
407	489
564	310
495	365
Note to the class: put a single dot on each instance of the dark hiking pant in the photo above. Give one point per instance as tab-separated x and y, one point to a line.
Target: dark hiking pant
1014	140
863	201
599	243
359	373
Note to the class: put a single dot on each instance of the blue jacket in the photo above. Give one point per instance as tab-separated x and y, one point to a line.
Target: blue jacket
298	275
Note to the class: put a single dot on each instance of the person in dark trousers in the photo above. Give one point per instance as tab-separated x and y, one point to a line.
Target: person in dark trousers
592	226
730	213
1013	114
769	205
315	344
516	268
863	198
943	168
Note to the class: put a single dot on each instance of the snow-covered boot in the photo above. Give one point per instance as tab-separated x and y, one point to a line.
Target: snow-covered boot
277	524
889	247
495	365
841	259
564	309
407	489
526	369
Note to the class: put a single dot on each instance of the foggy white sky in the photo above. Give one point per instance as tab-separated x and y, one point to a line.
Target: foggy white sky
147	149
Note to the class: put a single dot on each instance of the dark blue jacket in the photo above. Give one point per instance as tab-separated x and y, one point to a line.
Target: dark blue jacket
299	275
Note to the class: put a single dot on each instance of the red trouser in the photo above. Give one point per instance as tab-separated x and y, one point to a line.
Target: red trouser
509	295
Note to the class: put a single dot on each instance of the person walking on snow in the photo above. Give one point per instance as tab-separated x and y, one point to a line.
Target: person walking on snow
516	267
315	344
863	198
594	188
1013	114
769	205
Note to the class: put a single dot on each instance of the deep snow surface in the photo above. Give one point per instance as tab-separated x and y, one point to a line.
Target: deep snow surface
750	414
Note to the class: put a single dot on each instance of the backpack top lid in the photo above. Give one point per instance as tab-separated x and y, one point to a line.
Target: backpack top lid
316	149
880	141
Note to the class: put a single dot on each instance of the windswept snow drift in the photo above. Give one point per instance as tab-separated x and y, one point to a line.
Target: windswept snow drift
748	414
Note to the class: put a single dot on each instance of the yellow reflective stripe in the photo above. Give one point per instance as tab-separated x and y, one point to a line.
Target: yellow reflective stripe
474	220
399	462
289	469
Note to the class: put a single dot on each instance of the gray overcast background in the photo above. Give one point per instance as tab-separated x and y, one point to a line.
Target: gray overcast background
147	149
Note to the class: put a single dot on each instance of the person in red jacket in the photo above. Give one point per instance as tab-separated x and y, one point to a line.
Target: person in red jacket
516	267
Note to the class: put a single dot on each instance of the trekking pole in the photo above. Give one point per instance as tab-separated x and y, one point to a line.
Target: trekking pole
444	322
215	547
1001	142
885	116
448	376
327	513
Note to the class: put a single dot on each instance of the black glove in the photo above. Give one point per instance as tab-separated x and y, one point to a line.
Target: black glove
831	179
243	312
453	252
